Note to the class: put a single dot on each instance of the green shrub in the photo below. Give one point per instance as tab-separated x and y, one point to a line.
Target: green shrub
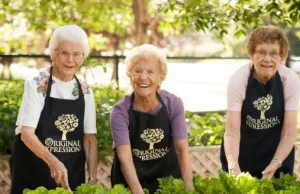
10	100
105	98
205	130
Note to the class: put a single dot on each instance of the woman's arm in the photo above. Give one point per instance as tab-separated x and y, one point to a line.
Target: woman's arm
286	144
182	151
128	169
58	170
232	138
91	156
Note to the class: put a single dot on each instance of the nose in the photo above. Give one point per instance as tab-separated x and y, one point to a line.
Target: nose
144	75
69	57
267	57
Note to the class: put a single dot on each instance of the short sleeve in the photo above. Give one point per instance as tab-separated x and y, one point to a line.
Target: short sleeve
119	121
291	91
236	89
31	106
179	129
90	113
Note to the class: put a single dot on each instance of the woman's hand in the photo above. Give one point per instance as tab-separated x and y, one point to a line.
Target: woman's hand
270	170
59	173
234	170
137	191
92	181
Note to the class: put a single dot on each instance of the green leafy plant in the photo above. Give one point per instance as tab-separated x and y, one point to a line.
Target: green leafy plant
244	183
205	130
105	98
10	100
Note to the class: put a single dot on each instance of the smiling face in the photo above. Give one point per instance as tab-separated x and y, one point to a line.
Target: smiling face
67	59
145	78
266	60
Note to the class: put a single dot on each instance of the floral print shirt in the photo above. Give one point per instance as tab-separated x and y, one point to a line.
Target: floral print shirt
34	96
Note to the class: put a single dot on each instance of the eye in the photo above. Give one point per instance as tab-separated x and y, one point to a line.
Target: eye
273	54
150	72
76	54
64	52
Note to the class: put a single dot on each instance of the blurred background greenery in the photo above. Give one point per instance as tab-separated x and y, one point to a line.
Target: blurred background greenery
186	28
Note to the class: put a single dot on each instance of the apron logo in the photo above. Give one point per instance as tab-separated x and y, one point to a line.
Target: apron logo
263	104
151	136
66	123
62	145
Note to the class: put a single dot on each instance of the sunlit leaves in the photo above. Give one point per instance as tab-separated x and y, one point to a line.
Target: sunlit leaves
218	16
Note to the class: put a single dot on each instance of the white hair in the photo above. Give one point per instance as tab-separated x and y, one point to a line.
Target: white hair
69	33
147	52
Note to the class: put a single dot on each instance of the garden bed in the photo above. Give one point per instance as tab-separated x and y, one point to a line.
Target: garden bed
205	162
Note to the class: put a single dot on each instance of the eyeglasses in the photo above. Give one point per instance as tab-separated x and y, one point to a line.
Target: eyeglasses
138	73
76	56
263	54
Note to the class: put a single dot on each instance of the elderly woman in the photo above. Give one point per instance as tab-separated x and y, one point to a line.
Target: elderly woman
56	122
148	127
262	109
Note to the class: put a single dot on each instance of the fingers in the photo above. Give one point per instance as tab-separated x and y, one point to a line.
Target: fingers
65	182
268	172
59	173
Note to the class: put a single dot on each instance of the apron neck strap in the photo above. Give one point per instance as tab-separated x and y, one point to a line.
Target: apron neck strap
50	84
157	95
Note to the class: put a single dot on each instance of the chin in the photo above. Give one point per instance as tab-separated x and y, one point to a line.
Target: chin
142	94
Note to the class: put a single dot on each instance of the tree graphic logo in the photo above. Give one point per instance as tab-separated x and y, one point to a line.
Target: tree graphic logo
152	136
263	104
66	123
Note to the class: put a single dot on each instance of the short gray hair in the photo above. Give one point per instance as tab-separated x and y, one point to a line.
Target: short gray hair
69	33
147	52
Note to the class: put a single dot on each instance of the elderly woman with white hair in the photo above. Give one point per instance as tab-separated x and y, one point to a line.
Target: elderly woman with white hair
56	125
148	127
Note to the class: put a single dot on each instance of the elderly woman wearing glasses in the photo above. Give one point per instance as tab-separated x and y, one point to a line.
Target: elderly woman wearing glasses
262	109
148	127
56	122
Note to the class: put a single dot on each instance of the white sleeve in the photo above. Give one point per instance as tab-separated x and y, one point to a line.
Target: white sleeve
31	106
235	94
89	113
291	92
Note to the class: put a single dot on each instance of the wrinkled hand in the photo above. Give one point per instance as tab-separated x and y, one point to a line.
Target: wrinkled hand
188	187
59	173
137	191
235	170
270	170
92	182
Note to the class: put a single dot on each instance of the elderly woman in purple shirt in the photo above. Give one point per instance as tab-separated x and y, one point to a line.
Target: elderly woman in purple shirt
148	127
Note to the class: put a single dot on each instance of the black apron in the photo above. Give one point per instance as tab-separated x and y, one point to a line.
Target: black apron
261	126
60	129
152	148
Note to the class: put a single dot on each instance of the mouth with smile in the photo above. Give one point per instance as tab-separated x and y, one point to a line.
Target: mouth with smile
143	85
266	66
69	67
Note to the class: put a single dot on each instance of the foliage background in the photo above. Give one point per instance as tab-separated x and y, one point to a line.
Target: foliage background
203	130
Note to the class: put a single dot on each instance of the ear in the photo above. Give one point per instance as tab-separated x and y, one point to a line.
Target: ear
53	56
251	57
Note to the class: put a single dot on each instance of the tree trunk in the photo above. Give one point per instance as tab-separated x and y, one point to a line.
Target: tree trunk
64	135
151	146
141	20
262	114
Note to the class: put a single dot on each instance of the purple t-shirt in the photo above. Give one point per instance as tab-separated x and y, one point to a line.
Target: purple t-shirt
119	119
